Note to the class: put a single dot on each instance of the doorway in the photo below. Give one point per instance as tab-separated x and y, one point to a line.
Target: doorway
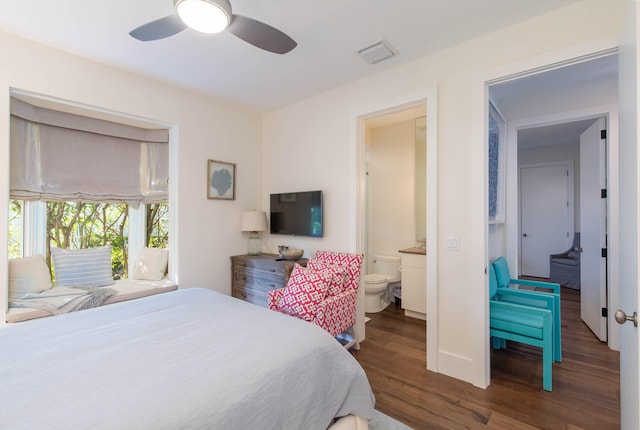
428	99
530	101
546	214
545	135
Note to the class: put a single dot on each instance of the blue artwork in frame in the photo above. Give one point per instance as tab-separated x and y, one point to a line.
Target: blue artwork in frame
221	180
494	166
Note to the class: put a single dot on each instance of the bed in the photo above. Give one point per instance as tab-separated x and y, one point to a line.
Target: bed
186	359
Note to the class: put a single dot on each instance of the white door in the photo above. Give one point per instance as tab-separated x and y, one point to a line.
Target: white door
629	239
546	215
593	229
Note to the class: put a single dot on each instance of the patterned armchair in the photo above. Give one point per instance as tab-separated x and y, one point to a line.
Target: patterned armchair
333	308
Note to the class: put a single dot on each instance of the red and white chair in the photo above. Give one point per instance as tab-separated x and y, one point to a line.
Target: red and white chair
324	293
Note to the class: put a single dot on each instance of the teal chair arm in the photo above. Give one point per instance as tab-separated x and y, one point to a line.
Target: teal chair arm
506	306
503	276
528	298
538	284
541	300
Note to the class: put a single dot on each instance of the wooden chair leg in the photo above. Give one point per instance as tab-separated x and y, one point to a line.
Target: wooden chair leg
354	341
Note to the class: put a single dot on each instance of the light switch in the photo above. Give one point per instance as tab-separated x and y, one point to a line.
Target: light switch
452	243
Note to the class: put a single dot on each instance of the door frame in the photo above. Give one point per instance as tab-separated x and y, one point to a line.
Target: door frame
479	174
610	112
569	165
428	97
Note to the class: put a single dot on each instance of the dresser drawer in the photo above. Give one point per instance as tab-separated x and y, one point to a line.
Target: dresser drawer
253	276
250	295
260	280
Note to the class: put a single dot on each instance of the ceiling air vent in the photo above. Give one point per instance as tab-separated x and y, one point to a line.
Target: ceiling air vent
376	52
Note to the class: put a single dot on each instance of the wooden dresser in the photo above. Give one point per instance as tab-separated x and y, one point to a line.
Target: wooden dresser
252	276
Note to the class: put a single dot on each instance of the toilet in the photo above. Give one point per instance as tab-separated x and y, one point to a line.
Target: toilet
386	270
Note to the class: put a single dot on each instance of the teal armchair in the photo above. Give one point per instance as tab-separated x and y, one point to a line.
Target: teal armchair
534	298
505	279
523	324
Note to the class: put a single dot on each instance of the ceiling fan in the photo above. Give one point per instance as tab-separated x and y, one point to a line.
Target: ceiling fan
214	16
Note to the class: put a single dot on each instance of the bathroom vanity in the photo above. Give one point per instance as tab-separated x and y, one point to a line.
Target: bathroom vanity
414	282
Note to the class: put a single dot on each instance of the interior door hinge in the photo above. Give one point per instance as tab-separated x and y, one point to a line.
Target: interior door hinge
604	252
603	134
603	193
605	312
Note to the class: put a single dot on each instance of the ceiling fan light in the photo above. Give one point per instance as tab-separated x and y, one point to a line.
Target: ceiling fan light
206	16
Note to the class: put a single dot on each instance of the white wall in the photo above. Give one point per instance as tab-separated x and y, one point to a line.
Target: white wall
312	141
391	180
208	230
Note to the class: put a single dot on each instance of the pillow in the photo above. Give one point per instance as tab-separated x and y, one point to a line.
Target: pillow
152	264
28	275
304	291
82	267
338	276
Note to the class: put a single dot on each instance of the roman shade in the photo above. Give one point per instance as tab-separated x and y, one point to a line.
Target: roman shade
61	156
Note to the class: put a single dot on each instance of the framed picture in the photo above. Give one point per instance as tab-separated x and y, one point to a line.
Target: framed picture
221	180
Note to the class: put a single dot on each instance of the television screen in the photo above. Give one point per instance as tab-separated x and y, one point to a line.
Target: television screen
297	214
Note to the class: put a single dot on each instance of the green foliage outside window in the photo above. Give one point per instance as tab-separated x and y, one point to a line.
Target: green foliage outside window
157	235
79	225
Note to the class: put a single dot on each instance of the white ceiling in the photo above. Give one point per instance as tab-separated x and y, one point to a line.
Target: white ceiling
563	89
328	33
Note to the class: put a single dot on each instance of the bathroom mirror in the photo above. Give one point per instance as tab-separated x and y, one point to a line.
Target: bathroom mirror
421	179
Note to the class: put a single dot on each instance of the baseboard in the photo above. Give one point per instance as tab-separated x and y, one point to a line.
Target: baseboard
455	366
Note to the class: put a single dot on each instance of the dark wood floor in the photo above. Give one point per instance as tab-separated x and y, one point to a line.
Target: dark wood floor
586	385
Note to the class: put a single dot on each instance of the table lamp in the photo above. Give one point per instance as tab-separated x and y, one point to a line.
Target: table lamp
254	222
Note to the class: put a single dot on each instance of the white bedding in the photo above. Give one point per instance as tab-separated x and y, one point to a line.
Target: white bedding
189	359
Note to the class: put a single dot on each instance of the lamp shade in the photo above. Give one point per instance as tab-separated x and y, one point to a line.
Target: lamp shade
254	221
206	16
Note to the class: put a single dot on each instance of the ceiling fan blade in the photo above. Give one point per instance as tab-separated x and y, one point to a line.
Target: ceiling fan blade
261	35
158	29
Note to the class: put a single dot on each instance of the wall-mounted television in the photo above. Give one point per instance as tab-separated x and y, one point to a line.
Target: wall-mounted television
296	214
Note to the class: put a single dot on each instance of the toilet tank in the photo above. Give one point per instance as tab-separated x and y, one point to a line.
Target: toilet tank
387	265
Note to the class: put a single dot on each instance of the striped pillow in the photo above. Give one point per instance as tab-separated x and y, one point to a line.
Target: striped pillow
82	267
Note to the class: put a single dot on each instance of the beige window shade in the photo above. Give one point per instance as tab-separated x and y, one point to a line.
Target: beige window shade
61	156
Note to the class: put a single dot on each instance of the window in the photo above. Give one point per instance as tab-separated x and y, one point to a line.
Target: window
78	182
16	237
157	231
79	225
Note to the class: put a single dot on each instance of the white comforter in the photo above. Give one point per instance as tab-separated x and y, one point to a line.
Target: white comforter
189	359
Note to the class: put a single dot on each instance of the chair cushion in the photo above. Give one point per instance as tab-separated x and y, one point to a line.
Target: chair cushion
338	276
304	291
89	267
152	264
352	264
28	275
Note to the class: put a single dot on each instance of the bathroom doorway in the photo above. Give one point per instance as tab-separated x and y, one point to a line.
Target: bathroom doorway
395	206
395	161
381	110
